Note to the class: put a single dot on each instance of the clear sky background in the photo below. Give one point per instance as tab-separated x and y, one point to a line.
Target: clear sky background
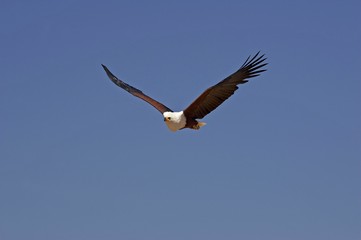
82	159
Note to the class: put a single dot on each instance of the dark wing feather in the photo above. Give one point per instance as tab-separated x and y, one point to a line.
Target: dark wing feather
136	92
217	94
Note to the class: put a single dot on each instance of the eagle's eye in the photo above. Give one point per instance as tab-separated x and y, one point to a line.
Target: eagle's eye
168	118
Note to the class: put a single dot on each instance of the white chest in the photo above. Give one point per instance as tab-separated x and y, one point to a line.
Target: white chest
175	120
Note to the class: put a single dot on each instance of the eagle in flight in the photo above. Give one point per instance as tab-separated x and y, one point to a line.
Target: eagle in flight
209	100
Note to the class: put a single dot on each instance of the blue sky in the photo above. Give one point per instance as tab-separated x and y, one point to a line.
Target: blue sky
82	159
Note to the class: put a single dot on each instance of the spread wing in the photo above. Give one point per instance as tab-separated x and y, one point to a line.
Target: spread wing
217	94
136	92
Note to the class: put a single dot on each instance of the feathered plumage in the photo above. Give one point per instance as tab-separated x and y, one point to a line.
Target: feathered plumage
209	100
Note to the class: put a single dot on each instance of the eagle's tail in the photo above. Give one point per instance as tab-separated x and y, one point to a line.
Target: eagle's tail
198	125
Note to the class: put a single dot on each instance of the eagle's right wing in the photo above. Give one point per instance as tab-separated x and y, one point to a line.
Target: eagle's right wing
136	92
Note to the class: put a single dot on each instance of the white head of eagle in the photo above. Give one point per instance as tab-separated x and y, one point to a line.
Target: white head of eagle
175	120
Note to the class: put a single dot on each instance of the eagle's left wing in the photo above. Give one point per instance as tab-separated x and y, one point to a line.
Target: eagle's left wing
217	94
